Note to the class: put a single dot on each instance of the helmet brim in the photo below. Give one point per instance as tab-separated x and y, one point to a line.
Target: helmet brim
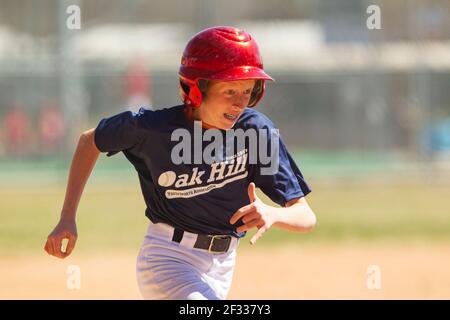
241	73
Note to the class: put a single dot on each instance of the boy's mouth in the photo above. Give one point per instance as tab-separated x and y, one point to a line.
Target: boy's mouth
230	116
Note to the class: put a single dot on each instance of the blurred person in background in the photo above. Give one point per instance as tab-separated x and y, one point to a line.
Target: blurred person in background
435	140
51	128
138	91
17	131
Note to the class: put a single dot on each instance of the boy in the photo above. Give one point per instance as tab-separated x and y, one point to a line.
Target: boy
200	200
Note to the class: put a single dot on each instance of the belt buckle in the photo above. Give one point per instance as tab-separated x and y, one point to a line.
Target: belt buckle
218	237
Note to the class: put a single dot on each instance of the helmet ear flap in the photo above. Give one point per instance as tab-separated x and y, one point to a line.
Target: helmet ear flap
195	95
190	93
257	93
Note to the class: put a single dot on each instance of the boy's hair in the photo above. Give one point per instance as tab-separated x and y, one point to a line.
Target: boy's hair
203	86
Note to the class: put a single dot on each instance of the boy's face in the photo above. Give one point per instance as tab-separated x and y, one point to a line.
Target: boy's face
225	101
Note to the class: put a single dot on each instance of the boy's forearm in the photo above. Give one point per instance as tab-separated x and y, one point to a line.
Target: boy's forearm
298	218
83	162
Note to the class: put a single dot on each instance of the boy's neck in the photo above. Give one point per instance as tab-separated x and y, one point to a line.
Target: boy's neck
192	115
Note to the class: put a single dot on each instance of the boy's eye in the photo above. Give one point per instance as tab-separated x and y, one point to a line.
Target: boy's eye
232	92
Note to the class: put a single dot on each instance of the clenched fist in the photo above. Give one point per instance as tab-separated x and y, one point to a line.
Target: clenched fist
65	229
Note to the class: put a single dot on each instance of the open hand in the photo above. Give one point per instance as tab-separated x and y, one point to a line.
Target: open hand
256	214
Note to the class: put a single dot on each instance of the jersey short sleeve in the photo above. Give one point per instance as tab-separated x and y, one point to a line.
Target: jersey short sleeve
286	182
119	132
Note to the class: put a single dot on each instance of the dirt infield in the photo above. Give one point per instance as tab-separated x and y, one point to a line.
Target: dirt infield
312	272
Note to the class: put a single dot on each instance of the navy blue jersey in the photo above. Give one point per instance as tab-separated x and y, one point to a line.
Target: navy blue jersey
196	196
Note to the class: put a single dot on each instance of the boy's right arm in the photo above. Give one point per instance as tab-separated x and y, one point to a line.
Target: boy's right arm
83	162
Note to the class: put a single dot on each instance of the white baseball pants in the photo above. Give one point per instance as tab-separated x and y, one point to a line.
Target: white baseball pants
178	271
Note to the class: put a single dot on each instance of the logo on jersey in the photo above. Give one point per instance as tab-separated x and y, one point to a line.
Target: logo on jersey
220	174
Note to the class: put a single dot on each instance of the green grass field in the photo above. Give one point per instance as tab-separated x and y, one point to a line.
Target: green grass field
111	213
112	217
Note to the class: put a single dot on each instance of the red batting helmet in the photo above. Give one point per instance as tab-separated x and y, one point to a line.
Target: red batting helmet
220	53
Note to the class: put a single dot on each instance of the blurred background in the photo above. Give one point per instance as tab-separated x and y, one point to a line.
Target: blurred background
365	113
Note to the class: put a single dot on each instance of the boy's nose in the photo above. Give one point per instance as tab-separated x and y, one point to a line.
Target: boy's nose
240	102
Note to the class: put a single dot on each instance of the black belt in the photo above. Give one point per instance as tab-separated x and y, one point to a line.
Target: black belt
215	244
